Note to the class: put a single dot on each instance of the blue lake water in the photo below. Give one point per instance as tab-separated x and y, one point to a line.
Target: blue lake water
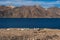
30	23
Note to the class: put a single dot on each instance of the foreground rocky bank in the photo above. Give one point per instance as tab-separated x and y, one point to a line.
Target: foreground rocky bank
29	34
29	12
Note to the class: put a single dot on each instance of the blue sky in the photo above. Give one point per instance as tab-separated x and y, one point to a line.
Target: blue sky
43	3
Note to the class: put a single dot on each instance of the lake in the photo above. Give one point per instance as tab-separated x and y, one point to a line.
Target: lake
30	23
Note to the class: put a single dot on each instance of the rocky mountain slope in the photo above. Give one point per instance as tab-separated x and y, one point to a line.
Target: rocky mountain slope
29	12
29	34
54	12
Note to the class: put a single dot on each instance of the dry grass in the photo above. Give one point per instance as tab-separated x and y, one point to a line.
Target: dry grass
29	34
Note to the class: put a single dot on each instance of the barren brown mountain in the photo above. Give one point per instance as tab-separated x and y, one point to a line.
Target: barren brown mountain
29	12
54	12
29	34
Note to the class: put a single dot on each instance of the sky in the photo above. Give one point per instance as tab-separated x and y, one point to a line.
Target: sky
43	3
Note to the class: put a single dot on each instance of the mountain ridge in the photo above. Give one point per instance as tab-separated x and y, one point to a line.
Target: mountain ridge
29	12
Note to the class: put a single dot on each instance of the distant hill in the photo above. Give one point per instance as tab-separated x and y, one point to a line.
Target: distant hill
29	12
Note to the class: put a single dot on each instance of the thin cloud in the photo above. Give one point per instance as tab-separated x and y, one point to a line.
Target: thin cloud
23	2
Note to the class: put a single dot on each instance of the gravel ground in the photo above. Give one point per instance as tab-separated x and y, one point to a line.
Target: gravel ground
29	34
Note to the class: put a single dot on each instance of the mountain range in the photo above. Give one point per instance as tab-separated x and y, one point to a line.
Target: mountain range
35	11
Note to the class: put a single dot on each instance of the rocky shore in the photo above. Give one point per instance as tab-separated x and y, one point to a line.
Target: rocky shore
29	34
